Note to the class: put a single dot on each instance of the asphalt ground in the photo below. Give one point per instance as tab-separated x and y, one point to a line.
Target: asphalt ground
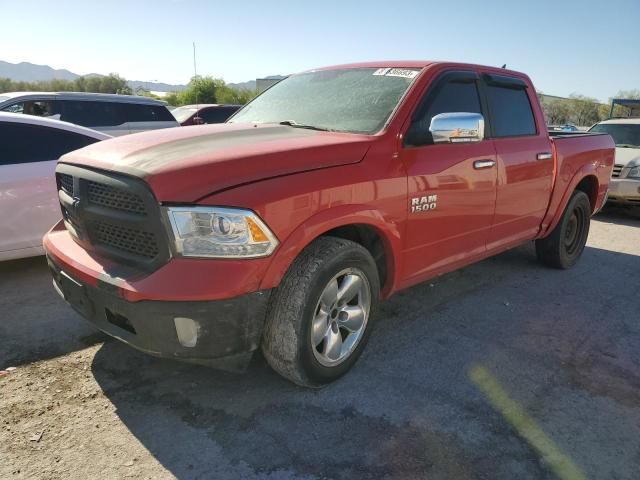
502	370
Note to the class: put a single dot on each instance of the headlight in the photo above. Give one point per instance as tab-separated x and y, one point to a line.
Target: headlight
634	173
220	232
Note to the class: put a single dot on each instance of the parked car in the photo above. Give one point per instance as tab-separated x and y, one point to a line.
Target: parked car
112	114
29	203
335	188
203	114
625	184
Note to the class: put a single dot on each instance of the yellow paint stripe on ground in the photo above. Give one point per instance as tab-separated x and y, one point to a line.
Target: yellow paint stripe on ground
526	427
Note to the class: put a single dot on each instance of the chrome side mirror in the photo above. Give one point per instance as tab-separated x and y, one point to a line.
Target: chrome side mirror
457	127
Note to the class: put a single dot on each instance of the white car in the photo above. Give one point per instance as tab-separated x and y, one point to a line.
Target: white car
624	187
108	113
29	205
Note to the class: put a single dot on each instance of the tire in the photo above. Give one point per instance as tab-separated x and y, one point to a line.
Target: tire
300	302
564	246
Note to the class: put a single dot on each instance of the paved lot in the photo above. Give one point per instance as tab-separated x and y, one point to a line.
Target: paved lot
504	370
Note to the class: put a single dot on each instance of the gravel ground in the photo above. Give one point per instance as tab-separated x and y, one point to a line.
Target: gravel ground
504	369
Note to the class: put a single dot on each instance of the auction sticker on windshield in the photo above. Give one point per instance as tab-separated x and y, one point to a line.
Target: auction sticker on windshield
396	72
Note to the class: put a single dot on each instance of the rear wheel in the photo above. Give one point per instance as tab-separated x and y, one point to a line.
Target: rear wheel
563	247
320	316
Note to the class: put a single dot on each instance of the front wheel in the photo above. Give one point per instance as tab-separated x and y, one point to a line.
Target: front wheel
320	316
563	247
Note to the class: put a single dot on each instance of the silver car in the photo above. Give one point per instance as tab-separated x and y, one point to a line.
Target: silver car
624	187
111	114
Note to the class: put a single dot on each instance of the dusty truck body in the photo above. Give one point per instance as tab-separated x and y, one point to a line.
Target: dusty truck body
336	188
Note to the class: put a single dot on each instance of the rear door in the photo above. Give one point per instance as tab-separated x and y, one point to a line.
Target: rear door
460	197
525	161
28	196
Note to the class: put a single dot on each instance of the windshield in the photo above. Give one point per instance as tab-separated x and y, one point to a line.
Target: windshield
182	113
624	135
2	99
358	100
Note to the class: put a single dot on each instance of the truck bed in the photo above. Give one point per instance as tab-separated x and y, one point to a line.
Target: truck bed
558	134
573	152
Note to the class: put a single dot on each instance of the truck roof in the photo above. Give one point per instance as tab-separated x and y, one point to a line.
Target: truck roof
416	64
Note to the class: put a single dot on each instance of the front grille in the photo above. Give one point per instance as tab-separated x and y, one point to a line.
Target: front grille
130	240
65	182
114	215
617	170
116	198
69	217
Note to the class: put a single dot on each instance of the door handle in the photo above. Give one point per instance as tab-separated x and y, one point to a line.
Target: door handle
544	156
478	164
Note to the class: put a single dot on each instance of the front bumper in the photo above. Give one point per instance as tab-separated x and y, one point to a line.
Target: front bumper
624	190
220	333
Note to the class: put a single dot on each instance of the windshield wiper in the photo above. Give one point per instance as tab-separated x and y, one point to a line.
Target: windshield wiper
294	124
627	145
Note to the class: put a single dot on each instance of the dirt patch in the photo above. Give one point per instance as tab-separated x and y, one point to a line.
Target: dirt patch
57	423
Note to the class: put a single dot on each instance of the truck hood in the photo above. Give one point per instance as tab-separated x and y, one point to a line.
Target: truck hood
185	164
629	157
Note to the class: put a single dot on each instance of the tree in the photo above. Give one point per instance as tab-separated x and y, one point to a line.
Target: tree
560	112
555	111
584	110
635	94
172	98
209	90
112	83
237	96
199	90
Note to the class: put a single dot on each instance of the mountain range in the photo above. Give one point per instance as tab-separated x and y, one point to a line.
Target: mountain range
29	72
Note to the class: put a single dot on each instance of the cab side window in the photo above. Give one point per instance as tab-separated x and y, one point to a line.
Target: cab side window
447	97
511	113
24	143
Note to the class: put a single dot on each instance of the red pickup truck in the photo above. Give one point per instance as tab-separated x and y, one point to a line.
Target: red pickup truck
283	228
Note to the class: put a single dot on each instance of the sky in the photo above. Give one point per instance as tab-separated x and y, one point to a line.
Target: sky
589	47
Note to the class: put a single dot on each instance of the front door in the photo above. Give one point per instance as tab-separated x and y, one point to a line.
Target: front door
451	186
